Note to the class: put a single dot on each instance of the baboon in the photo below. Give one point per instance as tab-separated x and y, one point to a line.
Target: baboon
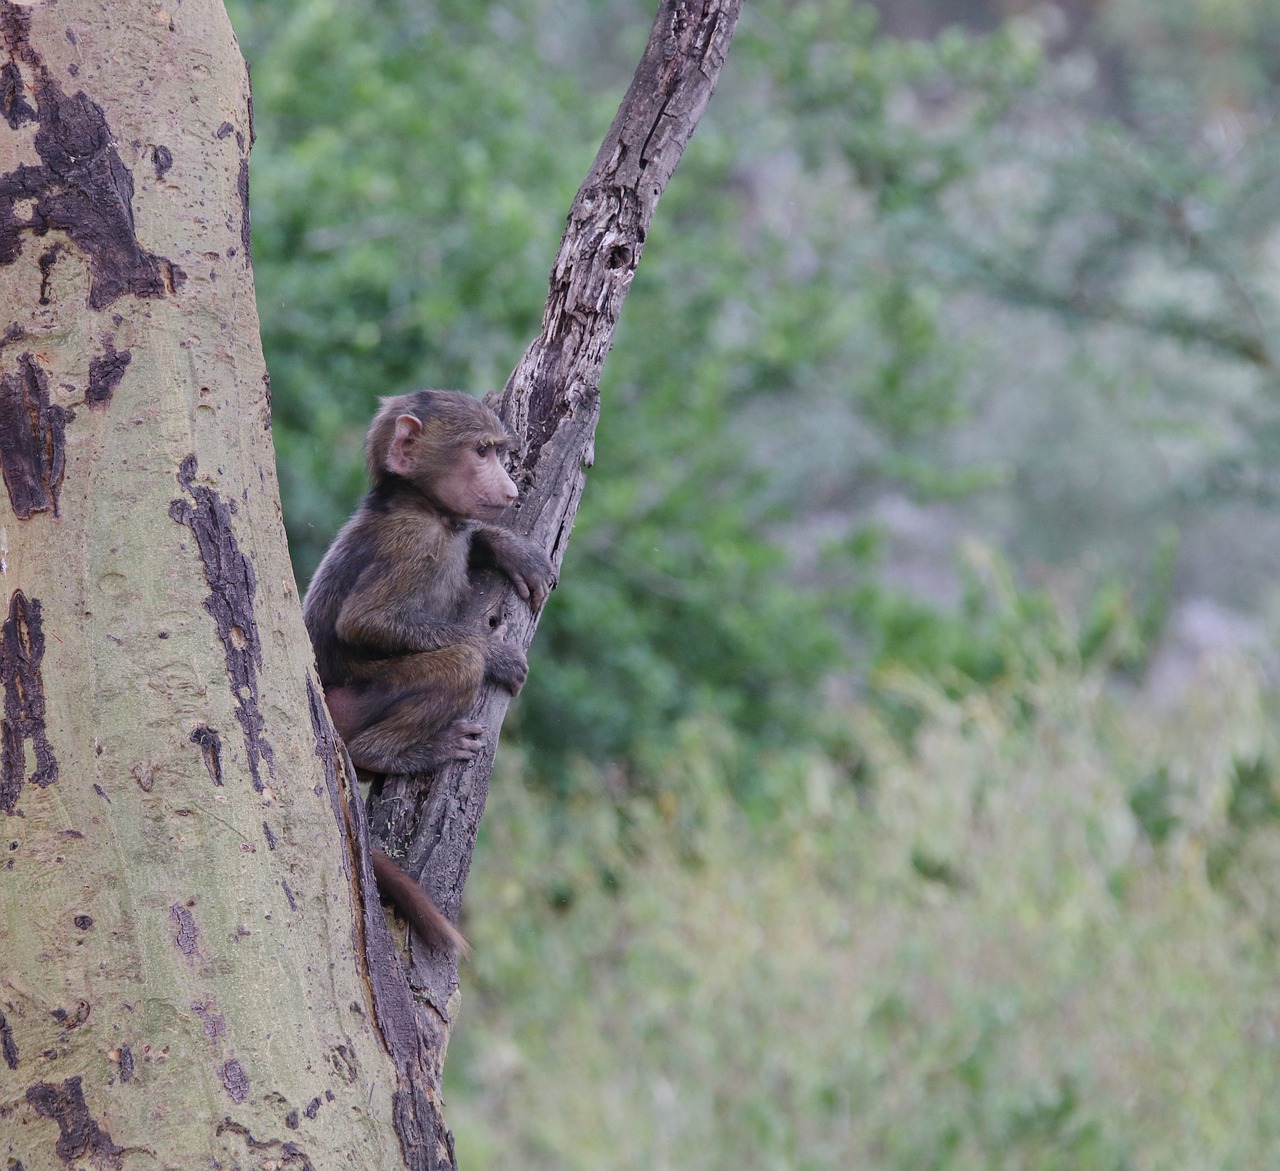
399	669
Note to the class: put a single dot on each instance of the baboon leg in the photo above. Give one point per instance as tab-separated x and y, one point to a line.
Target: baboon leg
405	718
397	745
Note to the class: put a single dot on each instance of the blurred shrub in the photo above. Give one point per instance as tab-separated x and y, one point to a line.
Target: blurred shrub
1045	938
873	250
411	162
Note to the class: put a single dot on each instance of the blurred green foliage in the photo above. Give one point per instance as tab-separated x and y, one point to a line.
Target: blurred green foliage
1044	938
404	228
420	157
871	247
787	864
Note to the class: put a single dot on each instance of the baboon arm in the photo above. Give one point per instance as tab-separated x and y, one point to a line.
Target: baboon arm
528	567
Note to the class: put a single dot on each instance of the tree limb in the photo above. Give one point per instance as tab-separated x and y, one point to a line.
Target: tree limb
552	400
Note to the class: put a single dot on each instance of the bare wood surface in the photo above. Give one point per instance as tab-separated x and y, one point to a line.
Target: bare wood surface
552	400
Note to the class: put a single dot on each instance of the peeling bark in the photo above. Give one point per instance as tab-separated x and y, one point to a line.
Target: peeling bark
81	188
233	585
21	655
32	439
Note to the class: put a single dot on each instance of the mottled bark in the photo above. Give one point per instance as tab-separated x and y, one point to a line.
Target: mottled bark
182	917
552	400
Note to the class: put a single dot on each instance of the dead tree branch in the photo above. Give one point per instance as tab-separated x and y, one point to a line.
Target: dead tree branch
552	400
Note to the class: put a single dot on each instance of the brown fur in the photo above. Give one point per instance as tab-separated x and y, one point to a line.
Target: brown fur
401	889
398	667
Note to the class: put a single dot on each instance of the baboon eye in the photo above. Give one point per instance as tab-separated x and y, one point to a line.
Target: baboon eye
483	450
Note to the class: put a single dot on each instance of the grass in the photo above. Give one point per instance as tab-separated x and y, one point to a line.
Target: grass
1040	936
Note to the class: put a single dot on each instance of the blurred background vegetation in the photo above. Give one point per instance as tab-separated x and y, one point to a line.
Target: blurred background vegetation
895	786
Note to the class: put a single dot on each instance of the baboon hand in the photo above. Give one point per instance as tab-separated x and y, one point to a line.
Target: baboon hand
461	740
532	575
506	665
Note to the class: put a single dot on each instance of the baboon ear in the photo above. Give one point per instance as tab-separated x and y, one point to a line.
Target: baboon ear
401	449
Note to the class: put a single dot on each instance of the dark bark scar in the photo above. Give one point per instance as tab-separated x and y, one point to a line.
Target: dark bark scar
79	1135
210	744
232	585
81	187
48	258
21	653
235	1081
185	933
13	103
105	372
246	238
215	1024
290	1154
32	439
8	1046
326	749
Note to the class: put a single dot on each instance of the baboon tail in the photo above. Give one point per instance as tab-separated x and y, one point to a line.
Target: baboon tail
402	891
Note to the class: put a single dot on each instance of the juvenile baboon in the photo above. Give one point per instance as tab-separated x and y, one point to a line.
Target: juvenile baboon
399	669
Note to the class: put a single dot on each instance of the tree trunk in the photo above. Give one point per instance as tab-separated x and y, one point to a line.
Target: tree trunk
194	969
181	976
